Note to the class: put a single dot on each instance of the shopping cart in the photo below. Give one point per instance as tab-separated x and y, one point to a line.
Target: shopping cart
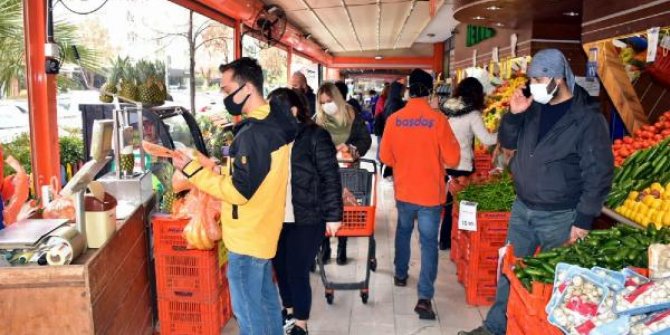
358	221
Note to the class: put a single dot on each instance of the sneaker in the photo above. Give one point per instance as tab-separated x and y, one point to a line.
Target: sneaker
399	282
289	321
479	331
298	331
425	309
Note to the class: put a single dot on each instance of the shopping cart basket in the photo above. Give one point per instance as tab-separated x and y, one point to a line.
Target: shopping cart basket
358	221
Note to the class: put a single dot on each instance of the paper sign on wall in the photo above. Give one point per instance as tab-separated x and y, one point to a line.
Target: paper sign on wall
495	54
474	58
652	45
467	216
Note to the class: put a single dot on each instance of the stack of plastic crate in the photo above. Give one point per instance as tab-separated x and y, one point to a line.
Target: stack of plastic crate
193	292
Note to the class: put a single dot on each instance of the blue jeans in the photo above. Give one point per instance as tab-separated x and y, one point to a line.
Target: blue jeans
254	295
429	227
528	229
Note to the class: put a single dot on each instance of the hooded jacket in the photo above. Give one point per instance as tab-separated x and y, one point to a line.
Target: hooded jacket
571	167
392	104
252	189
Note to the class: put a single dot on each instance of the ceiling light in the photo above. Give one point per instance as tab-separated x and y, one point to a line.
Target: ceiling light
479	18
571	14
431	35
493	8
308	36
379	57
499	24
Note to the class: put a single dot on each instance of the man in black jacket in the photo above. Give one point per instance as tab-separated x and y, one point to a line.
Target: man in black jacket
342	87
299	83
562	168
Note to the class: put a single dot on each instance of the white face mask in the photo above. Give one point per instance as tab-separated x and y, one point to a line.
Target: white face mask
540	94
329	108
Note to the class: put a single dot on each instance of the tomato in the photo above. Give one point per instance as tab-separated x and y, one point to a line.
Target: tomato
665	132
627	140
652	129
658	137
618	142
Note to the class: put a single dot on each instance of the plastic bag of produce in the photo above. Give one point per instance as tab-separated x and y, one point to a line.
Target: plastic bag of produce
632	278
581	301
197	231
655	324
563	276
349	198
20	184
207	210
61	207
650	297
606	321
659	261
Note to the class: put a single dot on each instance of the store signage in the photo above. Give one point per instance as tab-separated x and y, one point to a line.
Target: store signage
467	216
477	34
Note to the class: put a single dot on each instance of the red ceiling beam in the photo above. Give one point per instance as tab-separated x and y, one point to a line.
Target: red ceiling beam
246	10
206	10
44	150
386	63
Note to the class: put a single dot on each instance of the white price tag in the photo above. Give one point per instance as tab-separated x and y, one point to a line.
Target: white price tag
652	45
467	216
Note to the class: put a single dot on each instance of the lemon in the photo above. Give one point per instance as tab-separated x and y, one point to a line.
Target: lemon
643	209
666	219
659	218
633	195
656	187
656	204
666	205
648	200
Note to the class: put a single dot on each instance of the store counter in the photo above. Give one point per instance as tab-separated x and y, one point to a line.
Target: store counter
104	291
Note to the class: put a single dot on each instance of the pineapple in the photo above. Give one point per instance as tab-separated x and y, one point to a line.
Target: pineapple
112	81
159	80
129	88
168	200
145	82
127	160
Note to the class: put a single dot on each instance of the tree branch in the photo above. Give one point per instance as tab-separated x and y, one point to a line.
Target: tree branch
212	39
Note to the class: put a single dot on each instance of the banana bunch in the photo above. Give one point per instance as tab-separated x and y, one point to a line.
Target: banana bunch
196	235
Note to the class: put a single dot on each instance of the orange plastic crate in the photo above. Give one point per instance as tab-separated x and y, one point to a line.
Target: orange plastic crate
358	221
483	162
193	275
168	233
180	317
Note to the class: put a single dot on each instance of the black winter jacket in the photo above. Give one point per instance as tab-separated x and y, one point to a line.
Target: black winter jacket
315	177
393	104
571	167
360	136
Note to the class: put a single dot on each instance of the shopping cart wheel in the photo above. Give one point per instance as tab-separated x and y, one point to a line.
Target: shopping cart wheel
364	297
373	264
330	297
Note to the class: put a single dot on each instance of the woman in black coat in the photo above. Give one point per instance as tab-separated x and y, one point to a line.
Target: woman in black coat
393	104
313	206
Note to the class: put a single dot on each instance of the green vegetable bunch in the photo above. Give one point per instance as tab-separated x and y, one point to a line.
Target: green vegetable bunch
495	196
614	249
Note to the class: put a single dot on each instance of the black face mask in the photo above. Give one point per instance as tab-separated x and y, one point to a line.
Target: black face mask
234	108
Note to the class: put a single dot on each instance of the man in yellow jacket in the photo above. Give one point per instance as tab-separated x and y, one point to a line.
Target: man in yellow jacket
252	191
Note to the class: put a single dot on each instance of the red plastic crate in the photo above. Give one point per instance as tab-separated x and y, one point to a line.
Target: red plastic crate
483	162
168	233
226	306
181	317
193	275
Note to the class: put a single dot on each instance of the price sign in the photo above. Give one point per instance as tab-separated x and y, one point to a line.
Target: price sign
467	216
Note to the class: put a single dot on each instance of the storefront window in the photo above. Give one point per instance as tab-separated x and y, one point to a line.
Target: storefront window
308	68
273	60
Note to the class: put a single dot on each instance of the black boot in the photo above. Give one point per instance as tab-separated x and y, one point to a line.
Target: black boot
325	248
342	251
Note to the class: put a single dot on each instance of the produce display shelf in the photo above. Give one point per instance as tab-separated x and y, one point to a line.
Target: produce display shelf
614	215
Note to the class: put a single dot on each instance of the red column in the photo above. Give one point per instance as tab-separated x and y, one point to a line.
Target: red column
438	58
238	39
42	92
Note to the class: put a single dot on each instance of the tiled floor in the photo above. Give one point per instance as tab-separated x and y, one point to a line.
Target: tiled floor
390	309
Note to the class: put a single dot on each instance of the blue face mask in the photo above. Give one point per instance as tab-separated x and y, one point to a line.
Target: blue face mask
232	107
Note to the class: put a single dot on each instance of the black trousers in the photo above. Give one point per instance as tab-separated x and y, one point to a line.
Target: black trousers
298	245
